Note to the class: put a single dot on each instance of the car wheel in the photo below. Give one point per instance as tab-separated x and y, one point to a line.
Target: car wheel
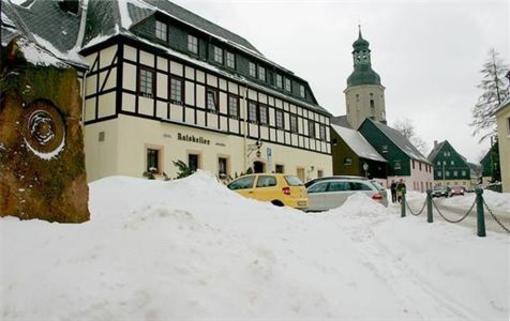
277	203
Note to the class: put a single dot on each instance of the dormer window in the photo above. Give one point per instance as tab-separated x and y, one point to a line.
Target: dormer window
193	44
252	69
230	60
302	91
161	30
279	81
262	73
288	86
218	55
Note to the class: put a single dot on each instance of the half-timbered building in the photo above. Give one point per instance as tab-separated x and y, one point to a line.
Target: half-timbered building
165	85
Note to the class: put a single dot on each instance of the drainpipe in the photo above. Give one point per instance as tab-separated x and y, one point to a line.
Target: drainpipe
245	123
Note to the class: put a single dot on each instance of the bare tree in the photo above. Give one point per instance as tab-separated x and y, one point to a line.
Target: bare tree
495	92
407	129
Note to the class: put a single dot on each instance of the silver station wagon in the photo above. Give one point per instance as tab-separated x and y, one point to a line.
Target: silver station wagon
329	193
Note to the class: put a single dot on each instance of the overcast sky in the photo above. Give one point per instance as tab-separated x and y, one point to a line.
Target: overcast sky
428	53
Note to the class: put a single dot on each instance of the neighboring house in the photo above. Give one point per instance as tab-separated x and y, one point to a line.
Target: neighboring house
404	160
165	84
475	174
353	155
503	125
490	165
450	167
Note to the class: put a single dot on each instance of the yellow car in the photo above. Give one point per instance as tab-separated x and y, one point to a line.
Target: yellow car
279	189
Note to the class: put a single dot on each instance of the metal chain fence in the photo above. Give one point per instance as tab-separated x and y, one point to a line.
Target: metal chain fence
420	211
453	221
495	218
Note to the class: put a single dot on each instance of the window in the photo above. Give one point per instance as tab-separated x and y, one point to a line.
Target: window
146	82
384	148
153	160
302	91
320	173
293	124
279	119
161	30
222	167
419	166
218	55
242	183
280	169
233	106
266	181
438	162
318	188
176	90
396	165
508	125
452	162
263	114
338	186
357	97
193	162
447	173
252	111
193	44
347	161
288	86
212	100
372	105
455	173
311	129
463	173
439	173
322	133
231	60
252	69
413	164
279	81
262	73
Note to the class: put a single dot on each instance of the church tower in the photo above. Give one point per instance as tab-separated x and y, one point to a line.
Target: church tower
364	95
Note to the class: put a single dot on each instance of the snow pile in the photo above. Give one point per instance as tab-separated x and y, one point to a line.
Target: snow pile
192	249
496	201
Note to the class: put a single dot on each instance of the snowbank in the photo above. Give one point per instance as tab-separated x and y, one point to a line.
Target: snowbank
192	249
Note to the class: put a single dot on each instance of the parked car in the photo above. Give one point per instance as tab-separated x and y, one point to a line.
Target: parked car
440	191
279	189
456	190
332	192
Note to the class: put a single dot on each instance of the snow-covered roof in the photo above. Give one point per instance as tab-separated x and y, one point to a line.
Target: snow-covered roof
359	145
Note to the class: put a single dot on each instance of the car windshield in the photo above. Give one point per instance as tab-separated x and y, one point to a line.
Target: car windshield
293	180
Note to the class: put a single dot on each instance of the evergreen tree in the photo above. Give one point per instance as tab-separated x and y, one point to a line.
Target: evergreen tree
495	92
183	169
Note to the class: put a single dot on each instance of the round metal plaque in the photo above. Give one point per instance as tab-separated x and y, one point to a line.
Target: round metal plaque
43	127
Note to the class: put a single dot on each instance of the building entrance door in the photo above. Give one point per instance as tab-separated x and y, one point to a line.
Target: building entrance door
258	167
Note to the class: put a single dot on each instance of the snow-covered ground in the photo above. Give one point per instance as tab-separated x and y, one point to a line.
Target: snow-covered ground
191	249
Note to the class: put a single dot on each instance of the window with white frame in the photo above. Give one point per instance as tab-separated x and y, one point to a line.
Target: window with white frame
161	30
218	55
311	129
176	90
212	99
262	73
293	124
288	86
252	111
447	173
252	69
455	173
279	119
263	114
230	60
302	91
279	81
193	44
233	106
146	82
322	133
463	173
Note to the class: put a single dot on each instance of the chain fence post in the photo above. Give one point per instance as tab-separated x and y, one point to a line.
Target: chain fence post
430	218
480	219
403	204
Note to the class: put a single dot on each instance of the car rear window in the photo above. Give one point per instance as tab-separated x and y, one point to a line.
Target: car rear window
293	180
266	181
242	183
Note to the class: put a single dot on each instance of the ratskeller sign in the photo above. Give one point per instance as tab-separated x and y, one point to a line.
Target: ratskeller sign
193	139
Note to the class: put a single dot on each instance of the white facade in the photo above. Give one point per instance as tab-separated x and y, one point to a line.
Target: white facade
121	125
365	101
